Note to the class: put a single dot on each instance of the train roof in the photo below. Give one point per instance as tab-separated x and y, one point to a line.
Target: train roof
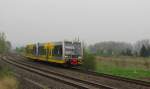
54	43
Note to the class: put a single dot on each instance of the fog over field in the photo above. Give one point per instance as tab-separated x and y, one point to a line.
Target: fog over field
26	21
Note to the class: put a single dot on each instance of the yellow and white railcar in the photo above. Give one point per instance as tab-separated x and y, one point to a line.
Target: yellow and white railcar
65	52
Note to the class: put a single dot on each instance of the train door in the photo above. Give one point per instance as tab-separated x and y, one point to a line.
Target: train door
49	48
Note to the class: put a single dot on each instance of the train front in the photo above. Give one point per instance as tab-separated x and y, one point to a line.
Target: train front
73	53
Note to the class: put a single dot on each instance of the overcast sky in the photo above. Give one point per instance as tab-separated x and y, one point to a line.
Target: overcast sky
26	21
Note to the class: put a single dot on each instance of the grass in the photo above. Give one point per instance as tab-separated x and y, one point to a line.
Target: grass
130	67
8	83
7	80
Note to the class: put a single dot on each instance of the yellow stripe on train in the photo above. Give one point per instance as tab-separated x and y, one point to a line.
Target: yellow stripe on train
43	58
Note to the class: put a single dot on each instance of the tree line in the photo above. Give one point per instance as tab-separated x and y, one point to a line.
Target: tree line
5	45
112	48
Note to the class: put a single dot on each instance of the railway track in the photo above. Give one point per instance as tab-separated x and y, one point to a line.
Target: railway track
81	84
132	82
119	78
35	85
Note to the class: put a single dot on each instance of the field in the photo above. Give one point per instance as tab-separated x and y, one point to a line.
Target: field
130	67
7	80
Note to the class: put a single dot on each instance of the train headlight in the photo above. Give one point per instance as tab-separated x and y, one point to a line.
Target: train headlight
79	57
66	56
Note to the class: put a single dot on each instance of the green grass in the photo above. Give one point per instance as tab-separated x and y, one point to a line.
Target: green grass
131	68
125	72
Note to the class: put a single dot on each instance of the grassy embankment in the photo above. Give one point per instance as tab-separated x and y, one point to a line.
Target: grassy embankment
131	67
7	80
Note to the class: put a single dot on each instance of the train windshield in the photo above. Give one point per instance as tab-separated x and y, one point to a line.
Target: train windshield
77	48
72	49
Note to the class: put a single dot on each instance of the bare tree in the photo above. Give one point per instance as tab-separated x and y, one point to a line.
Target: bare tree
5	46
138	45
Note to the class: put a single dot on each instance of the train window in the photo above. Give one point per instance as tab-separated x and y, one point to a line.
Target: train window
41	50
69	49
57	51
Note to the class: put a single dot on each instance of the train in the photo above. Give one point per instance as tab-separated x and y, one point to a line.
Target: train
67	53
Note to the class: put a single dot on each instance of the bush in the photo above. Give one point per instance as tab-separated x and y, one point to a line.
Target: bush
89	61
7	78
5	71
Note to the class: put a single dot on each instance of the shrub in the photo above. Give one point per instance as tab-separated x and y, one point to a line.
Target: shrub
89	61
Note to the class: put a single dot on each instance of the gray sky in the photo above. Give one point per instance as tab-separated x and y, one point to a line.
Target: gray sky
26	21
